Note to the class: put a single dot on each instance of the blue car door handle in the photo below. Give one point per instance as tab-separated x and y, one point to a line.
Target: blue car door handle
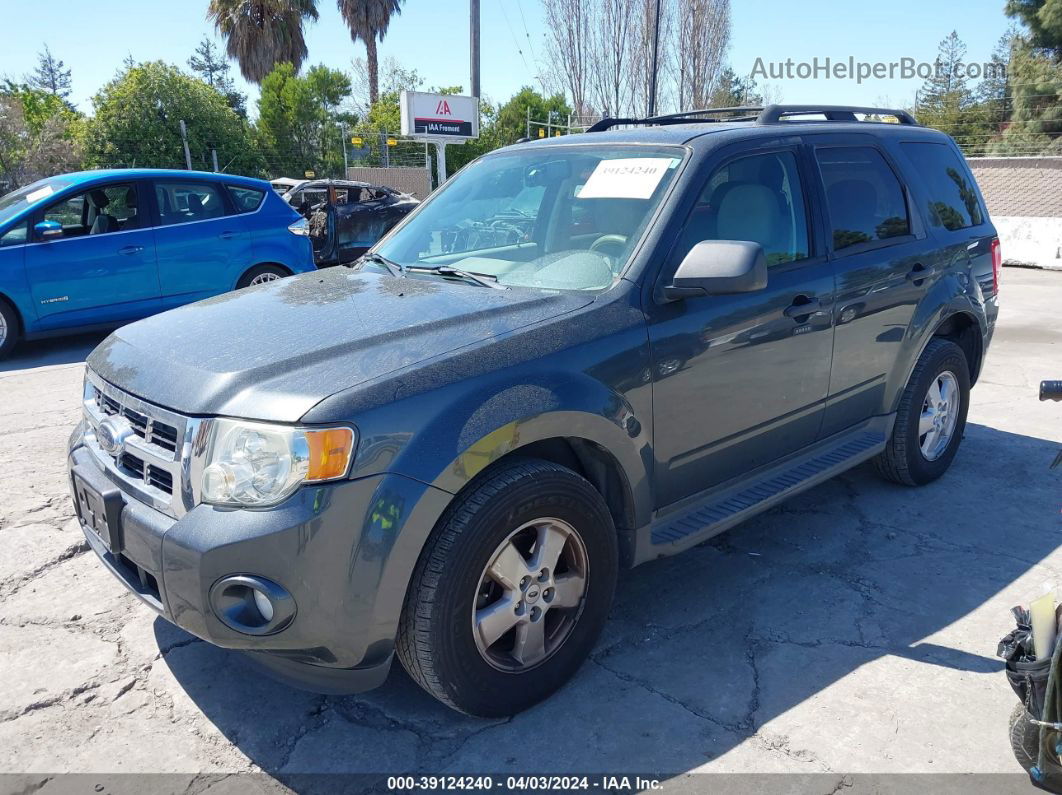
130	250
228	235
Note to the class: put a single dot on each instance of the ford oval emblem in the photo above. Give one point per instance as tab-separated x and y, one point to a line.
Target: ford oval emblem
112	433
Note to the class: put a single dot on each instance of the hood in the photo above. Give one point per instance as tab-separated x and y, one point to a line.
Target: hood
274	351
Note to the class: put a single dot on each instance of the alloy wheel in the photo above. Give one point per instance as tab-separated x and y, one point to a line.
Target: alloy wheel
530	595
3	330
263	278
940	413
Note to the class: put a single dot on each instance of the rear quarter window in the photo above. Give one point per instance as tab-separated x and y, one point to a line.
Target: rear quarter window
247	200
953	202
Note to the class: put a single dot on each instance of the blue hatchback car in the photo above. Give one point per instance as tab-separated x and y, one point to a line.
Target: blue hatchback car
97	249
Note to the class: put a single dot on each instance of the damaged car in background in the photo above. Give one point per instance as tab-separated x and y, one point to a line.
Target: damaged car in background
345	217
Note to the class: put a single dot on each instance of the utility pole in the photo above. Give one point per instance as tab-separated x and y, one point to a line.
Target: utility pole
652	72
343	143
474	44
184	140
528	121
214	158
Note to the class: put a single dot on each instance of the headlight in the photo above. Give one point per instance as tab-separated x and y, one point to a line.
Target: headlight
256	465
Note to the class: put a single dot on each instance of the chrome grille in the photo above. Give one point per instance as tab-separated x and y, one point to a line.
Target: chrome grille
151	430
151	464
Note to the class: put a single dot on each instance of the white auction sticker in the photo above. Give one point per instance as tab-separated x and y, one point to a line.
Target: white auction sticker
40	193
626	178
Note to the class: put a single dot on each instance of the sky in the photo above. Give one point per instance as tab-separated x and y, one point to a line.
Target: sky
431	36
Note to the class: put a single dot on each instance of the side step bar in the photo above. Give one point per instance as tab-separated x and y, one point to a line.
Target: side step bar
692	523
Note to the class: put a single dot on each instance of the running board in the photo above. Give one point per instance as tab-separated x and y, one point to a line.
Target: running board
690	524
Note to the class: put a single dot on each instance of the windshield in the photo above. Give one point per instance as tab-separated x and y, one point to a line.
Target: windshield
551	218
18	200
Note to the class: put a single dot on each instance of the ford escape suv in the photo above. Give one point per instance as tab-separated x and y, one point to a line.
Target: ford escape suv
449	451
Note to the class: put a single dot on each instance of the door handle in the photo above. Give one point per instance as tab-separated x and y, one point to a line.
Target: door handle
228	235
128	250
918	273
803	306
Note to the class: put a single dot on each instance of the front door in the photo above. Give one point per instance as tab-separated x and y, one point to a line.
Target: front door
741	380
102	269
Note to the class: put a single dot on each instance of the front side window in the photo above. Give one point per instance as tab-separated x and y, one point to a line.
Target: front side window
549	218
96	211
864	197
246	200
14	236
756	198
181	202
953	201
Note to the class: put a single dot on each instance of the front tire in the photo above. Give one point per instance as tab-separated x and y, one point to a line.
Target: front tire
931	417
511	590
9	329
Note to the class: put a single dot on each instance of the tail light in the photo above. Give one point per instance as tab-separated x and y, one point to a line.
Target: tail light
997	263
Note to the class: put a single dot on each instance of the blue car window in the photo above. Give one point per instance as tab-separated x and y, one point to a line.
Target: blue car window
181	202
14	236
246	199
96	211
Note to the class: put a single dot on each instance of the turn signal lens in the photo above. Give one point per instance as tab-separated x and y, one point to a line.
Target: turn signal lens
330	452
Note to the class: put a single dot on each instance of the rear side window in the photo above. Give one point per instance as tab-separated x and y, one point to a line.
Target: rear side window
247	200
181	202
865	199
953	201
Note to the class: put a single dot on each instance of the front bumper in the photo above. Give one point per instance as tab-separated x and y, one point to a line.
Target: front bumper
336	548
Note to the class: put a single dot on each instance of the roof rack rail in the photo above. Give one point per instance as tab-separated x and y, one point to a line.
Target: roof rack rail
774	114
676	118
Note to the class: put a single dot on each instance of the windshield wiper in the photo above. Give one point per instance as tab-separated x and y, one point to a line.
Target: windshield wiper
395	268
484	279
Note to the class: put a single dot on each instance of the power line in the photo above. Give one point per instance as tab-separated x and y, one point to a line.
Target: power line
530	44
513	34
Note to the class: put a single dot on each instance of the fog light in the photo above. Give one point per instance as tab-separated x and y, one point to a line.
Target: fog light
252	605
265	607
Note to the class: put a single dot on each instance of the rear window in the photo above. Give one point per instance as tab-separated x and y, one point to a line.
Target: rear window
247	200
865	199
953	201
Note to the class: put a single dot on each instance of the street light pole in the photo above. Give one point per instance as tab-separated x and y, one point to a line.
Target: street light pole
656	52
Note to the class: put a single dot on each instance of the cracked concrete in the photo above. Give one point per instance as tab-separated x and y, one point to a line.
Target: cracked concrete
849	631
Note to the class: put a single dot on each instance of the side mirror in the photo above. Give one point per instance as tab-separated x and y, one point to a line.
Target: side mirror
48	230
719	267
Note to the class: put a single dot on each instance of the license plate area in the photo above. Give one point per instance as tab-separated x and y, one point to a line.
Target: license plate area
100	512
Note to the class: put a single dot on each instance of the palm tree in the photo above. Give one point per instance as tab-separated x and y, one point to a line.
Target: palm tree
368	21
259	34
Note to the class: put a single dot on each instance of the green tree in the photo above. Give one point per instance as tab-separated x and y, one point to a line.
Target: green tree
1043	21
212	67
299	125
50	75
260	34
734	91
511	121
947	102
137	123
368	21
39	135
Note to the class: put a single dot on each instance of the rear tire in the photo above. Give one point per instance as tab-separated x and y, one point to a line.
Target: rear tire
9	329
930	419
260	274
490	649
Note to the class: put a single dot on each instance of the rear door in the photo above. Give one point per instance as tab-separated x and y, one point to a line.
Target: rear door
203	244
884	262
741	380
102	270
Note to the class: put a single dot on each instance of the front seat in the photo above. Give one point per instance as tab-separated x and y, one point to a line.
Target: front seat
749	211
102	223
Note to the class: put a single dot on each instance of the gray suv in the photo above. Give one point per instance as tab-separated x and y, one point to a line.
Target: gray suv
580	354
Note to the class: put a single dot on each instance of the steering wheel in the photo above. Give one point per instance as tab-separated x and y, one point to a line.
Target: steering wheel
614	242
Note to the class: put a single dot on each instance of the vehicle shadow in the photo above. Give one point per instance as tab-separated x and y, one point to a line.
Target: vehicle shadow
826	623
52	352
